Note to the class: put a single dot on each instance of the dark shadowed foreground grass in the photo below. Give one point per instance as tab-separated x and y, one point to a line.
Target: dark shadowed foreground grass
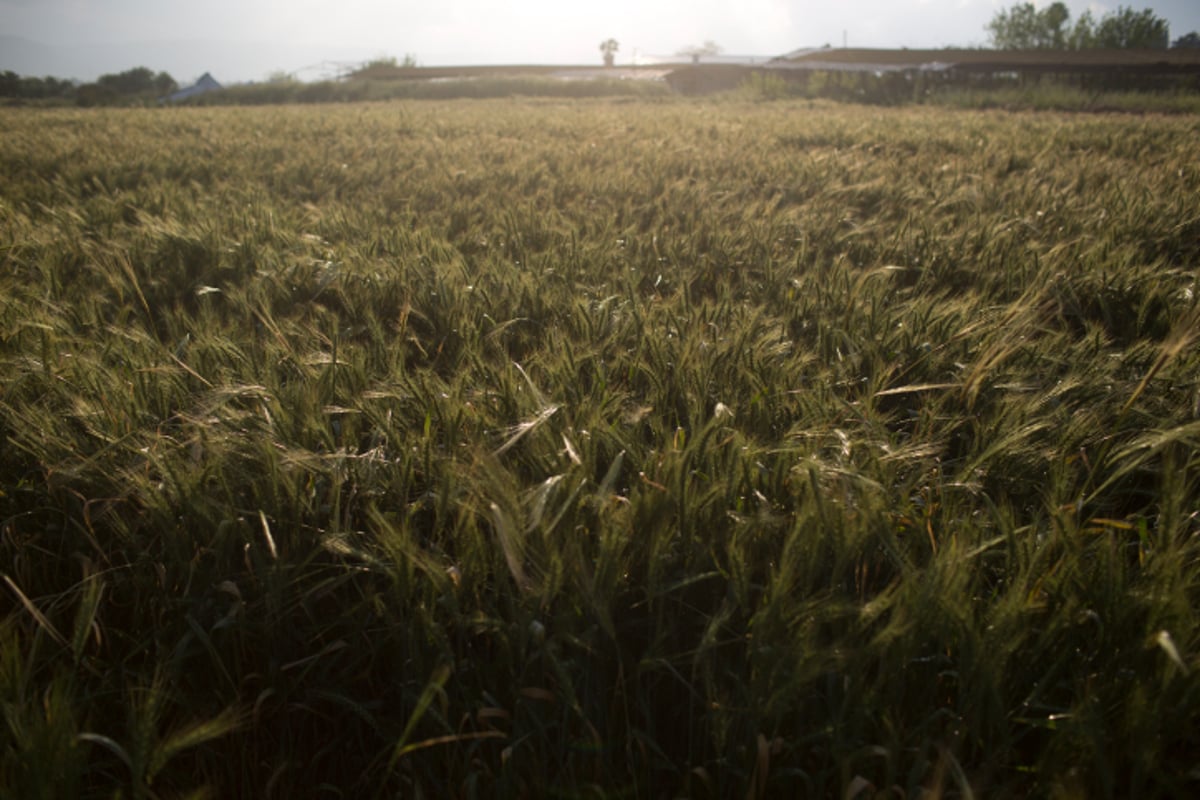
598	449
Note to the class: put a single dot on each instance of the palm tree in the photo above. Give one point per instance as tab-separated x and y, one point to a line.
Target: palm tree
609	48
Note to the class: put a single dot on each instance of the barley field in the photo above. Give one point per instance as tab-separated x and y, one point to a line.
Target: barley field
640	448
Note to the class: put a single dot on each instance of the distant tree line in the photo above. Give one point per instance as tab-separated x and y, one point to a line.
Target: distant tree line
137	85
20	87
1023	26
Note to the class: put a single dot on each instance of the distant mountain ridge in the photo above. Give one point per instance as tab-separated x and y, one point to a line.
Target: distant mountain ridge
26	57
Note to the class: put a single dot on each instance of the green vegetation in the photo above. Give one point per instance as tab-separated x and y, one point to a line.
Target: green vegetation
137	83
896	89
17	89
1050	96
601	448
484	86
139	86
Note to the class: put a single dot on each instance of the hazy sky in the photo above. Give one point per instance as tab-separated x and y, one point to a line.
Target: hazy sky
519	31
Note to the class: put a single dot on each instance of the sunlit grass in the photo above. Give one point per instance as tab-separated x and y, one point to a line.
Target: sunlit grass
635	449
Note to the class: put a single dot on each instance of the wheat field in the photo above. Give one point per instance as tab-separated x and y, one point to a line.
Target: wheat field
599	448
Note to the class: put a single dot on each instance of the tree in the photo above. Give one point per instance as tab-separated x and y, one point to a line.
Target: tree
609	48
1189	41
1083	35
1126	29
1023	27
1054	19
709	48
164	84
390	62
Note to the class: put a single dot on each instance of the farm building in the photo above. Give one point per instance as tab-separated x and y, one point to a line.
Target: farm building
206	83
